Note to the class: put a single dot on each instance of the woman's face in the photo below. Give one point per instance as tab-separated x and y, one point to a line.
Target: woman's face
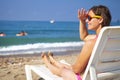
93	23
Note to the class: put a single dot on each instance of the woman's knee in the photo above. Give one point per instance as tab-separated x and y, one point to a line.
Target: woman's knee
68	74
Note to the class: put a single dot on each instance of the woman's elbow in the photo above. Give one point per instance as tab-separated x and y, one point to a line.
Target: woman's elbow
82	38
78	69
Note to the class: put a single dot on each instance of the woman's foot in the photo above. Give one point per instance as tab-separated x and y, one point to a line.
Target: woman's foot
45	58
50	54
43	55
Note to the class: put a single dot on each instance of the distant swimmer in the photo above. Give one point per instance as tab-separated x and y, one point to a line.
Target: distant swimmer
22	33
2	34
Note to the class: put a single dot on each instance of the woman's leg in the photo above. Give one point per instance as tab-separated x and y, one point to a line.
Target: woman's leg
53	61
55	70
65	73
68	74
56	63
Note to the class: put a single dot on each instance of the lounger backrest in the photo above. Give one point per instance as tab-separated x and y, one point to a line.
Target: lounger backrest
105	58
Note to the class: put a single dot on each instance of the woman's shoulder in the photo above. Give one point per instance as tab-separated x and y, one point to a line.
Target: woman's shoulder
91	37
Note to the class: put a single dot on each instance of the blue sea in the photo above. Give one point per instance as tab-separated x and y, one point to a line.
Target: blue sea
42	36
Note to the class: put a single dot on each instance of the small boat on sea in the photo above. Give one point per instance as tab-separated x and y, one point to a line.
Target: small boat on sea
52	21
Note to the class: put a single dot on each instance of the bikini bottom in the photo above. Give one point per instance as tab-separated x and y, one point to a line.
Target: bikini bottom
78	77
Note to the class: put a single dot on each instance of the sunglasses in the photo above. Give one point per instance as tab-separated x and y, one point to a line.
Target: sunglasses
89	17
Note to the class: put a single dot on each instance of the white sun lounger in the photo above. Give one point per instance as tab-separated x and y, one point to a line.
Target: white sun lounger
104	63
42	71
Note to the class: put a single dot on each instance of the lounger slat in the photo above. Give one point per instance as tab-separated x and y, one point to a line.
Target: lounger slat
111	44
108	66
110	56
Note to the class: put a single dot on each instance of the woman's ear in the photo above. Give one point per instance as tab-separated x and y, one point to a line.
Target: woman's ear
100	20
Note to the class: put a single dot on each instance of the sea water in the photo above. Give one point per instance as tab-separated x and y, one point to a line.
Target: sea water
42	36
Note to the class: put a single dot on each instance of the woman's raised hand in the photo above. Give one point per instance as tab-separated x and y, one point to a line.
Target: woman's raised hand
82	14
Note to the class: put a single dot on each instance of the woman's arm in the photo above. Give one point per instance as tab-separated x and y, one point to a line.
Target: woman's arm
82	15
83	57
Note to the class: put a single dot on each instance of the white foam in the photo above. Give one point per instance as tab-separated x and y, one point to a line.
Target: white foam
39	47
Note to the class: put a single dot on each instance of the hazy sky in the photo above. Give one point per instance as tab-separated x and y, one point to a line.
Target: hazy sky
44	10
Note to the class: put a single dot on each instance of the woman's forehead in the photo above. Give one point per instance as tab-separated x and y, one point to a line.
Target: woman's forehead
91	13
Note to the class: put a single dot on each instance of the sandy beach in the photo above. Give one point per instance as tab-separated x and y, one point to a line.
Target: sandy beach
12	67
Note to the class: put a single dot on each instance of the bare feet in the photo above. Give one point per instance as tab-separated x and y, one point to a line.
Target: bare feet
48	58
43	55
50	53
45	58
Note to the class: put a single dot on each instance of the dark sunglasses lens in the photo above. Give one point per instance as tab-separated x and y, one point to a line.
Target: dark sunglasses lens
89	18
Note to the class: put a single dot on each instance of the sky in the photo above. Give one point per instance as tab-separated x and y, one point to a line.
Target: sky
59	10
